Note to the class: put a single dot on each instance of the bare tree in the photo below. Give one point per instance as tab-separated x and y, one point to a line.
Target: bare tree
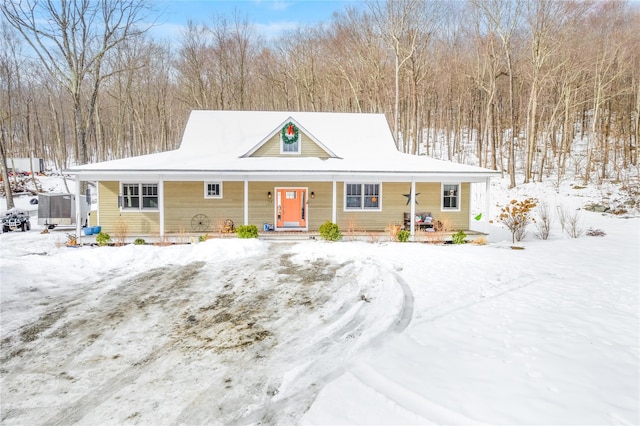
501	18
9	75
609	28
72	38
399	25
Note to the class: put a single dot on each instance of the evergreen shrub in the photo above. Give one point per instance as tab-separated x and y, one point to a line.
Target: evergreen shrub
330	231
103	239
247	231
403	235
458	237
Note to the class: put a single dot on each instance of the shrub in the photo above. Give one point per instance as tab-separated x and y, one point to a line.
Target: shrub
203	238
103	239
392	231
595	232
563	213
543	224
574	225
329	231
247	231
121	232
516	216
458	237
139	242
403	235
480	240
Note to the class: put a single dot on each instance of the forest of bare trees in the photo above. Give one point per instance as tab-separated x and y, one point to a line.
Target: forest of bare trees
511	85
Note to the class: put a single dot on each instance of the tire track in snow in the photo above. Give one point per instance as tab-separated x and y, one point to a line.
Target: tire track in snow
463	301
431	412
314	376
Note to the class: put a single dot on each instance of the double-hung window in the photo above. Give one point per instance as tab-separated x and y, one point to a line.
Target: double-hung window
362	196
213	190
450	196
139	196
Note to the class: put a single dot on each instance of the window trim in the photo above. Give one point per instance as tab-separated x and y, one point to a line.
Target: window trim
458	197
362	208
299	142
206	192
140	196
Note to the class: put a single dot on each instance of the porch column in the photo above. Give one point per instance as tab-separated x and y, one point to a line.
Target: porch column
78	212
161	205
412	210
487	204
334	217
246	201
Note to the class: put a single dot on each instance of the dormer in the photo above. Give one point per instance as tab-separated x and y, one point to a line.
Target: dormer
290	139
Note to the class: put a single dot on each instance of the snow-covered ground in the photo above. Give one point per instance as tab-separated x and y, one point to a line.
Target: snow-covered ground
252	332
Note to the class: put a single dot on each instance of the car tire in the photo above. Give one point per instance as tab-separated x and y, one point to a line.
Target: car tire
28	226
23	226
5	229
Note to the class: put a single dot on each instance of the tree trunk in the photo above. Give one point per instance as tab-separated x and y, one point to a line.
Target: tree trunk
5	175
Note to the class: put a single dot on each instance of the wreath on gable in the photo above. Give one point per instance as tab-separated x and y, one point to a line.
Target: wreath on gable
290	133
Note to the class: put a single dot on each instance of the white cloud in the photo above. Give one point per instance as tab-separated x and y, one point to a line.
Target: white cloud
274	4
274	29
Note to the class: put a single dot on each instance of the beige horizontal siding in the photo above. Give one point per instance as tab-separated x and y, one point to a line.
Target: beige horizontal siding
309	148
137	222
394	205
184	200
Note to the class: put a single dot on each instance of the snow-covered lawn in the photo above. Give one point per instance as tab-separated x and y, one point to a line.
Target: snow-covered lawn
252	332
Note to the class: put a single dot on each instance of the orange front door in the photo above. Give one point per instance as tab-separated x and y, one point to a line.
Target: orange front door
291	208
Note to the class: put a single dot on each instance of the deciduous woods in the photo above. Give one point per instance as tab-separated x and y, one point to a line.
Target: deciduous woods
513	86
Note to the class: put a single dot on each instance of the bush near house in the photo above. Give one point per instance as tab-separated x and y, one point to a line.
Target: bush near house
403	235
458	237
330	231
103	239
247	231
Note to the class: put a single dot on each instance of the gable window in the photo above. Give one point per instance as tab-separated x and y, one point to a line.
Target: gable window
290	139
213	190
291	148
450	196
139	196
362	196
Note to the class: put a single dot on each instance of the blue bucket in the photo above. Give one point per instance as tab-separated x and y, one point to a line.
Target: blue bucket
97	229
87	231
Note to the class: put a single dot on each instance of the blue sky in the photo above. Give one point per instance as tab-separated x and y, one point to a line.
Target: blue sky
271	17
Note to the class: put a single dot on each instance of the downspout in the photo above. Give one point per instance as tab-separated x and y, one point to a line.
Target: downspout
333	202
78	212
412	200
246	201
161	205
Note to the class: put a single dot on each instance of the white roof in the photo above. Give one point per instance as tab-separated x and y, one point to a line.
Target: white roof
215	143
